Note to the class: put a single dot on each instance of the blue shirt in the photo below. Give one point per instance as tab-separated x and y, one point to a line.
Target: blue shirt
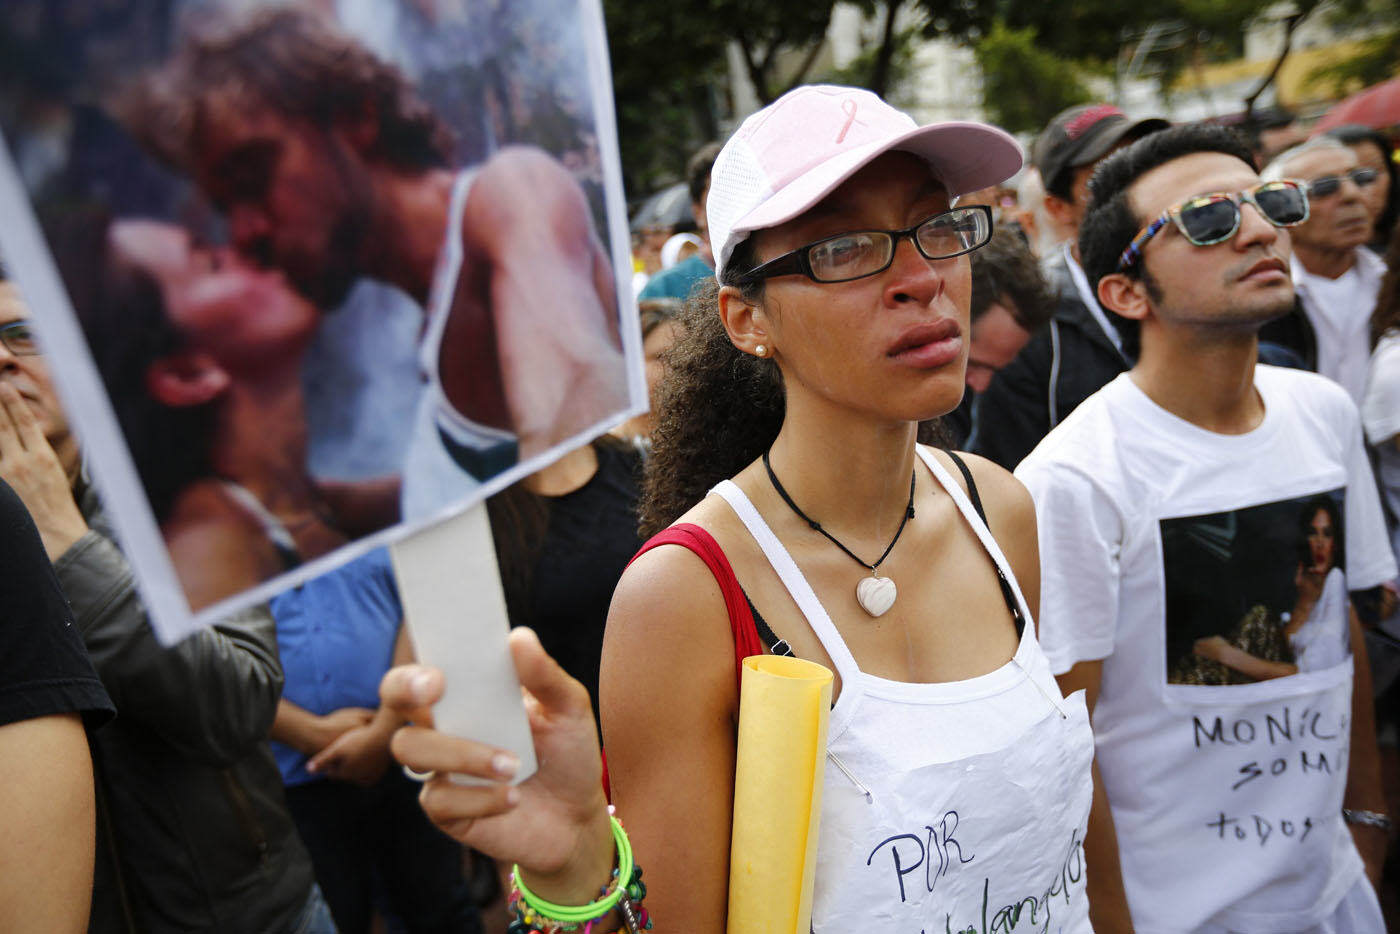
677	281
336	635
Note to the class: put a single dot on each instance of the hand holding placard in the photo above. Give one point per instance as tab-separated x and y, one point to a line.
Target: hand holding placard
456	613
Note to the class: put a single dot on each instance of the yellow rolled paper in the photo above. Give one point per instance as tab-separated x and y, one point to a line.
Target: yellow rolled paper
783	708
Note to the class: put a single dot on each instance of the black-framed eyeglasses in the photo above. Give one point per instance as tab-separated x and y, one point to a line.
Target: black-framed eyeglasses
1329	185
18	338
1214	218
862	253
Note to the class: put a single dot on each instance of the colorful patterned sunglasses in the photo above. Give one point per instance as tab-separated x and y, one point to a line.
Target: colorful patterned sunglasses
1207	219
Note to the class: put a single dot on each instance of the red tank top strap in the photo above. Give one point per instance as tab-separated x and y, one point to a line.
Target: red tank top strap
703	544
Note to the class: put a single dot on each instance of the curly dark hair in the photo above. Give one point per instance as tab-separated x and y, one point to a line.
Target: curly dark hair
295	64
717	408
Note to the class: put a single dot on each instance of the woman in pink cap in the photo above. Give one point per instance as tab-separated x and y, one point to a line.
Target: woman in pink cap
796	514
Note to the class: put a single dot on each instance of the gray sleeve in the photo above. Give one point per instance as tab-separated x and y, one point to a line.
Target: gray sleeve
211	696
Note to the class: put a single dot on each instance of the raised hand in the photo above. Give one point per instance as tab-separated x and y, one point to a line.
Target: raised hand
30	466
554	824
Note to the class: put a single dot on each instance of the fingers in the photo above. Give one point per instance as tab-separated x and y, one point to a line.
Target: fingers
22	417
455	808
350	717
427	750
327	758
10	403
550	685
324	763
411	690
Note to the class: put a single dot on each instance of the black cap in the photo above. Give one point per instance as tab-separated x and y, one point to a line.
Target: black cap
1082	135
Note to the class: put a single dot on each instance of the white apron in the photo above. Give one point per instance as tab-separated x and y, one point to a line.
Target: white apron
956	808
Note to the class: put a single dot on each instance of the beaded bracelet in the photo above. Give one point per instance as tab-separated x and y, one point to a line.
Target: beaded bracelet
625	891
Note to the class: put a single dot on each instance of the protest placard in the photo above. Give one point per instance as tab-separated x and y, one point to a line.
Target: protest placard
314	275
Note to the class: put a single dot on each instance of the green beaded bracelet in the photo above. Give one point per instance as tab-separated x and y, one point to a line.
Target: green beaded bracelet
595	910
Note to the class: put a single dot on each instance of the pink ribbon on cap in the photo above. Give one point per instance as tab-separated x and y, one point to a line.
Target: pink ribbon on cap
848	107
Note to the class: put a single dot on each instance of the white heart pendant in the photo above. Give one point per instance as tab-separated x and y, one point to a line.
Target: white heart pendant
876	595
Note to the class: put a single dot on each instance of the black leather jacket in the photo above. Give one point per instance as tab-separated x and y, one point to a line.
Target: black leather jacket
193	830
1064	363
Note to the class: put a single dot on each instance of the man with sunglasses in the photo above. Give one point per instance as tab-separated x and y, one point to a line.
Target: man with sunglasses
1336	277
1177	575
1083	347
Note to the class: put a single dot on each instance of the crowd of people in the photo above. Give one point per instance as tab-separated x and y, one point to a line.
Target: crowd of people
1127	662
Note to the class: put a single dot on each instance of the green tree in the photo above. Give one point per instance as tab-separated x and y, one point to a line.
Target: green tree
769	33
886	63
667	62
670	60
1302	9
1023	84
1160	39
1378	56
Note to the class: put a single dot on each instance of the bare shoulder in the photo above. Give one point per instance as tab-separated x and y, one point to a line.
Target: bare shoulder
216	545
519	183
1010	518
1006	500
670	582
521	163
668	606
206	503
669	701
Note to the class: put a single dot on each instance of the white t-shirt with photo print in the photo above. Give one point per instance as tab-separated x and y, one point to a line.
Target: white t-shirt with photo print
1226	796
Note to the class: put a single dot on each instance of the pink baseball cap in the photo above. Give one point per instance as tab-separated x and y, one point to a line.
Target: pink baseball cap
793	153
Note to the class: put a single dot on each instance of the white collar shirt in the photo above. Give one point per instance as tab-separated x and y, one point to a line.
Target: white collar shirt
1340	313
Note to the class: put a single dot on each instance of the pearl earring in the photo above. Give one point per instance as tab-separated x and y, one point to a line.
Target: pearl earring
760	351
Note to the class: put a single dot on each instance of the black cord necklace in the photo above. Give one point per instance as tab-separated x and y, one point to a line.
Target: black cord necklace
875	594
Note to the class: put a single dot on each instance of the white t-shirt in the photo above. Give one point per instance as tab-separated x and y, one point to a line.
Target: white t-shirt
1159	537
1380	414
1340	312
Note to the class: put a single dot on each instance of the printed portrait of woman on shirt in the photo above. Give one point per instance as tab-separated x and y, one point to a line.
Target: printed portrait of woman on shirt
1317	629
1275	638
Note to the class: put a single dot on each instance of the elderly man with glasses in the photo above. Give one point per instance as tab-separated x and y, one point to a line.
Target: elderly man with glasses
1336	278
